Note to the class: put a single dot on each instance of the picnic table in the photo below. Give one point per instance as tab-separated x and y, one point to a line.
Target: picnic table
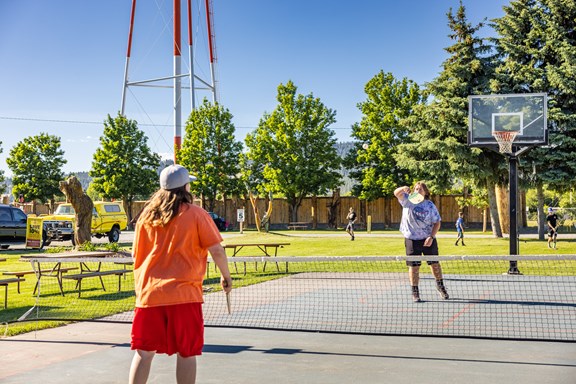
298	225
267	249
86	271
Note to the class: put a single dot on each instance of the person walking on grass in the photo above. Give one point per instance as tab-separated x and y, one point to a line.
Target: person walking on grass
171	244
460	228
419	224
351	220
552	222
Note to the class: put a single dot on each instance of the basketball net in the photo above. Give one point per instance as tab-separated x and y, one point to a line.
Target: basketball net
505	139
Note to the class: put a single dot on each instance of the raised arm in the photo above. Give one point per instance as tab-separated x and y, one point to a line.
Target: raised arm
400	191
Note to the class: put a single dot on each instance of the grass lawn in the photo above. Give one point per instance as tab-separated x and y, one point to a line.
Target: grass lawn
302	243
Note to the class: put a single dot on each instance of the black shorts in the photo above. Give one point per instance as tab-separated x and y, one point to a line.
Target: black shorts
551	233
417	248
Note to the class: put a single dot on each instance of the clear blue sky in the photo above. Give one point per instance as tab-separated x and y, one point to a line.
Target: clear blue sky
62	62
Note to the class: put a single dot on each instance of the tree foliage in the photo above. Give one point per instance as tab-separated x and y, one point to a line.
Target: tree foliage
2	178
439	152
537	44
124	167
36	164
211	152
294	149
389	102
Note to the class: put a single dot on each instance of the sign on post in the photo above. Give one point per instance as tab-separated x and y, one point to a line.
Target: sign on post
240	218
34	232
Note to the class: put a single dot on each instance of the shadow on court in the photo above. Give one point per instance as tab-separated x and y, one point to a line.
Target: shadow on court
100	353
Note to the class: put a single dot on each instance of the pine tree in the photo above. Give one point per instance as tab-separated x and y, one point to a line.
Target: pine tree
537	44
439	152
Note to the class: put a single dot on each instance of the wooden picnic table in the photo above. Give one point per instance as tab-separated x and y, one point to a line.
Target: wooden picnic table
298	225
268	250
82	258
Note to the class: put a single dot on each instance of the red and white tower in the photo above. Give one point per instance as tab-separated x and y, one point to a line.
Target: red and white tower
195	81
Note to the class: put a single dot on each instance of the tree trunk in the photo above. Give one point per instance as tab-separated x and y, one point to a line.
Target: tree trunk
503	208
314	212
387	212
493	205
523	211
540	209
333	209
83	206
254	201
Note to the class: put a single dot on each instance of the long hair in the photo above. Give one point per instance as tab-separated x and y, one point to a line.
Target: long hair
163	206
425	188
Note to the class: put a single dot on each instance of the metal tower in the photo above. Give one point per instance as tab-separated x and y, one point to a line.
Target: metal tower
177	75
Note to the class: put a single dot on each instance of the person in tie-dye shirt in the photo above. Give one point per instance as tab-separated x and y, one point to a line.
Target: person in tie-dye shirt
420	223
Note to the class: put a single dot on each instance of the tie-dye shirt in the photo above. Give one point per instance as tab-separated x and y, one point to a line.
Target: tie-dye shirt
418	219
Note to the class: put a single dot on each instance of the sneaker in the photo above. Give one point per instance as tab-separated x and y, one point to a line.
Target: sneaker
549	245
456	244
352	239
416	297
442	290
463	244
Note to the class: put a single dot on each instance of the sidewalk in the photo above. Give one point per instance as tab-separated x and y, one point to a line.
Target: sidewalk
100	353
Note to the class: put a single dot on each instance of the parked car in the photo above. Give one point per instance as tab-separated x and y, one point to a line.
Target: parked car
219	221
12	223
108	219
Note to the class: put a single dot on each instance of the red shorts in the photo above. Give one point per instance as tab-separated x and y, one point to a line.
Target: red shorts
169	329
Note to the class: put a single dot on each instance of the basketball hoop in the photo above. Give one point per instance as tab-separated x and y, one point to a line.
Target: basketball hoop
505	139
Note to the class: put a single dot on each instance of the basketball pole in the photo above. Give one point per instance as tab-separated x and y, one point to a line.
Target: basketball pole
513	212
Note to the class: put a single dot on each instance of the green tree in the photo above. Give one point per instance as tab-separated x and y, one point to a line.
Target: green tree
438	151
36	164
294	148
211	152
371	162
537	43
123	166
2	178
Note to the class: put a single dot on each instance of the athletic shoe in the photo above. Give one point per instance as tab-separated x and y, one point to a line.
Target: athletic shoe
456	244
442	290
352	238
416	297
549	245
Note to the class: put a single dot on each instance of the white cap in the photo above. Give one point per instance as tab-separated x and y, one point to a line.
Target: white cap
175	176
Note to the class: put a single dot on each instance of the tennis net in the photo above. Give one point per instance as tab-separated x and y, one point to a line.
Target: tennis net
360	295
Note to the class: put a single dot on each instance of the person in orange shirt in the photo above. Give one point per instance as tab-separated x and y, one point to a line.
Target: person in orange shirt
171	244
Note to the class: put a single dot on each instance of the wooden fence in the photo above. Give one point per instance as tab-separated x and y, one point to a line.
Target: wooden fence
317	211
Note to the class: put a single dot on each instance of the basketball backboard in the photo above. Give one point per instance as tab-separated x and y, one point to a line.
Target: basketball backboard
524	114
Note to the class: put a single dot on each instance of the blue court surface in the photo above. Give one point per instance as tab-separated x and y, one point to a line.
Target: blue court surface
100	353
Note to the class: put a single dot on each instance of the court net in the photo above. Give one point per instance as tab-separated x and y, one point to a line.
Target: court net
357	295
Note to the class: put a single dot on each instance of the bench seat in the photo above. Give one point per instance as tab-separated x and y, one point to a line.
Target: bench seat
49	272
4	283
85	275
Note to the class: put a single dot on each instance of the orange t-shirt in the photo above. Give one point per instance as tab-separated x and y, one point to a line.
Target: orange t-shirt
170	261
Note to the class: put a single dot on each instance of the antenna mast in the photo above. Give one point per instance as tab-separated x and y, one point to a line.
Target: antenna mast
177	65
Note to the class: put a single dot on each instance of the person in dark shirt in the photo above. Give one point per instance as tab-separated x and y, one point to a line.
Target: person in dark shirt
351	220
552	222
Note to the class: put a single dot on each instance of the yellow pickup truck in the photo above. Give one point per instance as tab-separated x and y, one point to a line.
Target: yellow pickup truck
108	219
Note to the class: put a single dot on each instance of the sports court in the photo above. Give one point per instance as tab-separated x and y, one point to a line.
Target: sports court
351	321
100	353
